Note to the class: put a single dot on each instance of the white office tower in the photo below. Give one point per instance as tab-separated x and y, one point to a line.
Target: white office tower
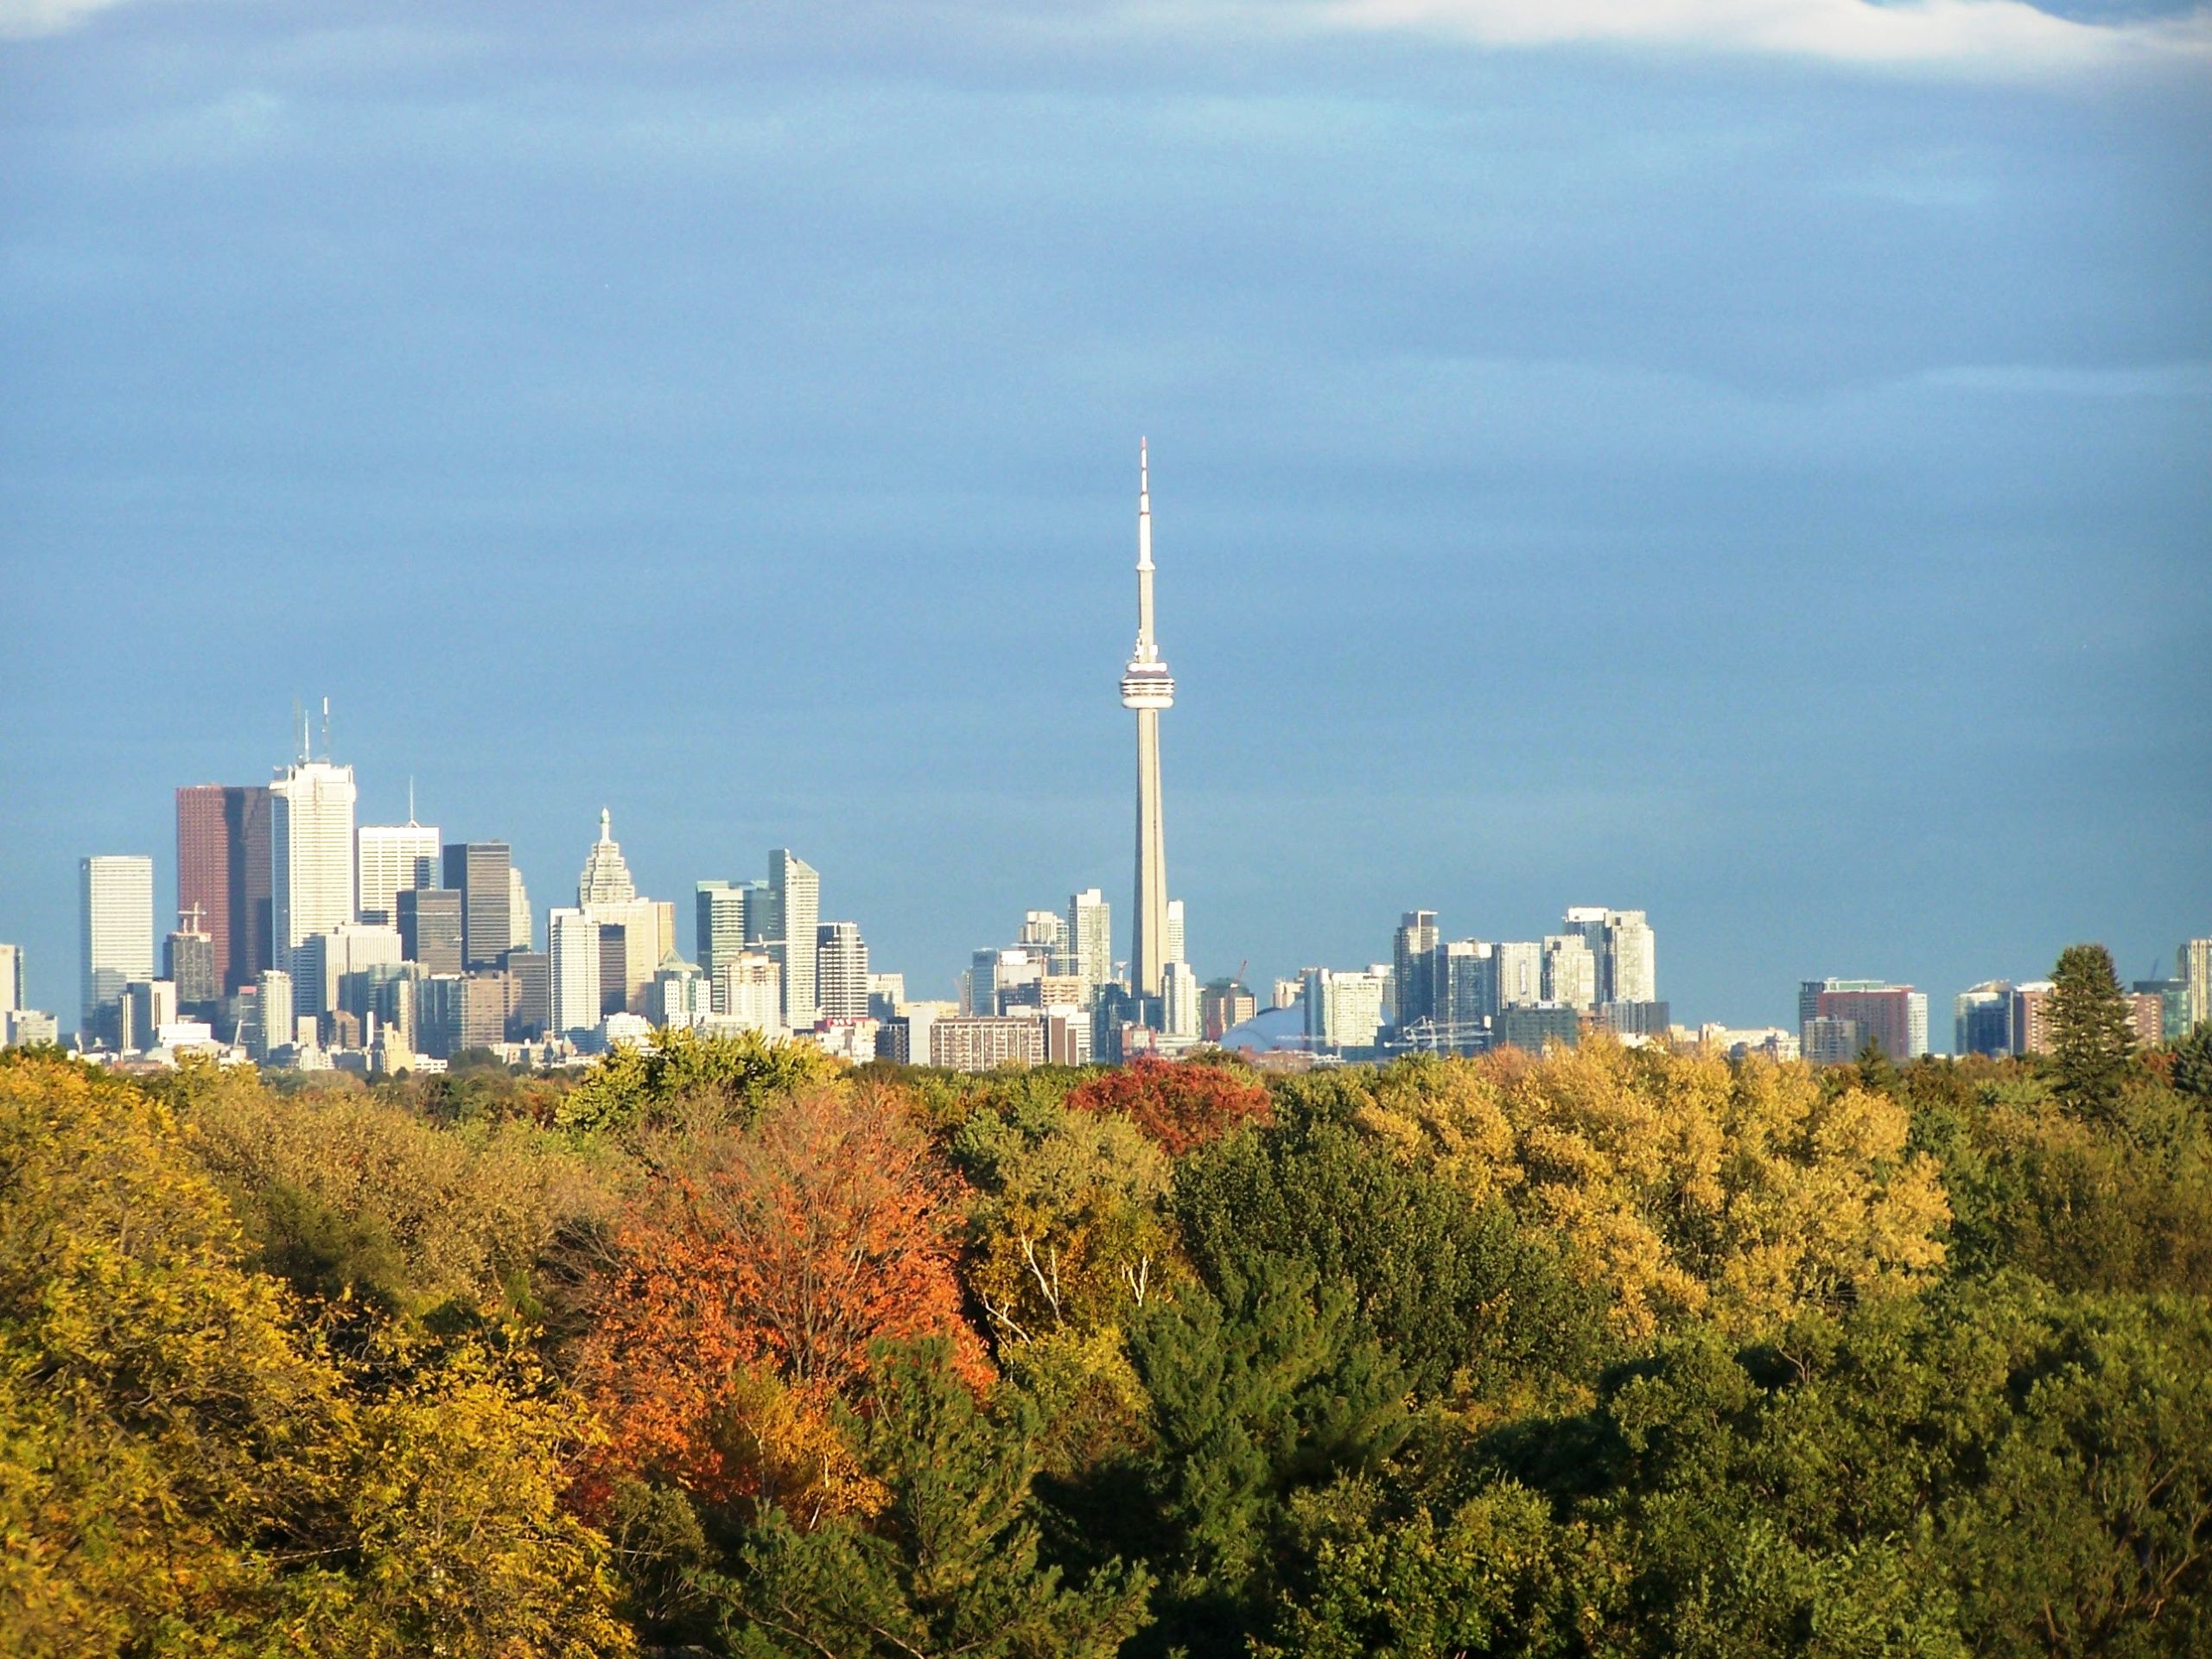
394	858
277	1027
572	971
1148	689
749	993
841	970
606	879
1343	1010
116	894
907	1037
1175	930
854	1041
1285	993
626	1030
518	928
794	911
1016	980
1570	971
1090	939
310	853
12	995
1179	1003
1520	973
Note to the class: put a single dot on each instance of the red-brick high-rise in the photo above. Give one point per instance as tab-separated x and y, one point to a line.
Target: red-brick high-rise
222	867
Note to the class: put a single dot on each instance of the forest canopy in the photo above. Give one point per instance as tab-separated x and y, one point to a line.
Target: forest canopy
723	1348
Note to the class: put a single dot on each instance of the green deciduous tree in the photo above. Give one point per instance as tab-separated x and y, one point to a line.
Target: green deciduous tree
2095	1203
1068	1229
1385	1577
683	1075
1447	1287
1996	1470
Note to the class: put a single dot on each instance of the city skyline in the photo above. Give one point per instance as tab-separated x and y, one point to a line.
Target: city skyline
1600	472
1601	959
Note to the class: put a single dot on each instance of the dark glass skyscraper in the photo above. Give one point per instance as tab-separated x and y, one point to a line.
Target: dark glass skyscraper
477	871
431	928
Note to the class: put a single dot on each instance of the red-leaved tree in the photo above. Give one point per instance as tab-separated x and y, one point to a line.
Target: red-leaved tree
750	1275
1179	1105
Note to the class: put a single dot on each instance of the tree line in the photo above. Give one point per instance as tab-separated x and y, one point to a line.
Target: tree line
722	1348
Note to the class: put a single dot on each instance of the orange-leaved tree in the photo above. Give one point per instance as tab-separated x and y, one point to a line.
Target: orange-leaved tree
750	1275
1180	1104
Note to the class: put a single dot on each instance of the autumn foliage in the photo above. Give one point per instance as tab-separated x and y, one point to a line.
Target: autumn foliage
1179	1105
754	1269
1624	1351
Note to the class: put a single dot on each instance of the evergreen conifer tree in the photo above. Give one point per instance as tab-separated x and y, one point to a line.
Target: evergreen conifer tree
951	1565
2092	1038
2193	1063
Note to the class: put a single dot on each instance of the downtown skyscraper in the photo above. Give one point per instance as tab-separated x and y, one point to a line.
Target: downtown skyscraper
311	854
394	858
116	894
223	871
482	872
1148	689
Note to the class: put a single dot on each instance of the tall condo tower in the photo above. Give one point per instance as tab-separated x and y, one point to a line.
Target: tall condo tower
1148	687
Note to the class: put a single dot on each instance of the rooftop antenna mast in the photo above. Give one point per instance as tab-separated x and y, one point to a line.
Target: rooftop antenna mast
299	732
326	731
410	800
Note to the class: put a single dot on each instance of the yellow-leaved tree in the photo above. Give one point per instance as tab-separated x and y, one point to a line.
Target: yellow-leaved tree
1685	1186
185	1469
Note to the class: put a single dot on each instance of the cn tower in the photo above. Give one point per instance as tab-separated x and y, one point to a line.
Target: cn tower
1148	687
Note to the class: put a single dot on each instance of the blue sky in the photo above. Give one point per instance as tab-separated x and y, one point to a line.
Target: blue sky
1749	460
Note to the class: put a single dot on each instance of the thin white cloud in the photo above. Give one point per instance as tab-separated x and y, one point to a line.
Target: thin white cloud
2162	381
1991	37
1994	36
24	19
